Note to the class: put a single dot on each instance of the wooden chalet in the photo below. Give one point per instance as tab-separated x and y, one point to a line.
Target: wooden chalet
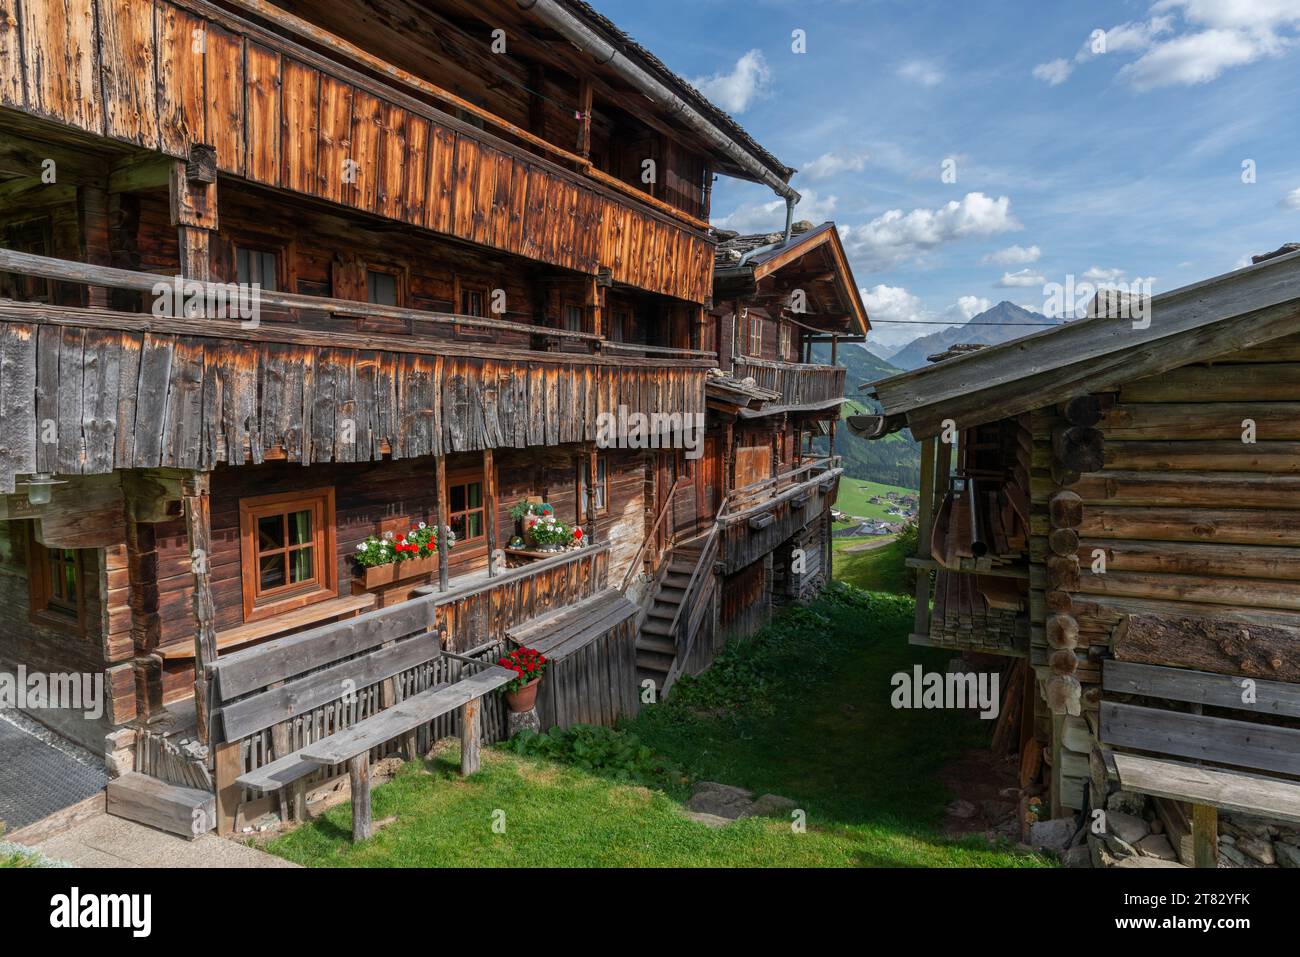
1118	505
467	256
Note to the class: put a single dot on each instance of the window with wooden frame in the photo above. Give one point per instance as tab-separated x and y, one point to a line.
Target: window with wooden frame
573	317
783	342
257	265
287	551
467	516
756	337
472	299
56	580
384	286
602	486
620	330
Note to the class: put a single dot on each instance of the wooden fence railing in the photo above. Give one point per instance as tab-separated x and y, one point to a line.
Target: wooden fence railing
798	383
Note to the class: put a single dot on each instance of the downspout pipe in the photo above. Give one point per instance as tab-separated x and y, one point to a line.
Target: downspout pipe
558	17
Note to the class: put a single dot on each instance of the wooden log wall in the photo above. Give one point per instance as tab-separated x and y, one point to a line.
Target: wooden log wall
1166	528
167	76
123	400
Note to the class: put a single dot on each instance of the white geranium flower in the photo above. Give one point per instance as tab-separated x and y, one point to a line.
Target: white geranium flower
423	526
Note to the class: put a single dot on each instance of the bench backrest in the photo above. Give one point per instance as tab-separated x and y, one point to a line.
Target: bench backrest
1238	743
260	687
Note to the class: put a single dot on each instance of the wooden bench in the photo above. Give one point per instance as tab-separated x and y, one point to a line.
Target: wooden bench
1166	735
341	687
560	633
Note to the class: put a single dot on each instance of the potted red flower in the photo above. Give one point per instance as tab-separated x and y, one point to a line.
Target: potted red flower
528	664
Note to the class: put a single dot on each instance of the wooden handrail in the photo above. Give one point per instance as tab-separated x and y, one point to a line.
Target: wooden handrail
47	267
707	554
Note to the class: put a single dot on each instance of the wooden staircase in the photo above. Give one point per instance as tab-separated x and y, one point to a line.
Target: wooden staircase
657	645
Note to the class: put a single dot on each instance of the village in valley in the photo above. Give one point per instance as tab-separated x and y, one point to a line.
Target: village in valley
540	433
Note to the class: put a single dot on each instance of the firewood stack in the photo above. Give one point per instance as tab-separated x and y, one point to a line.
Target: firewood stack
978	613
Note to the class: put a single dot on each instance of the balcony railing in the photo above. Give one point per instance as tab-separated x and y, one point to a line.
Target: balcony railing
181	73
138	390
758	517
801	385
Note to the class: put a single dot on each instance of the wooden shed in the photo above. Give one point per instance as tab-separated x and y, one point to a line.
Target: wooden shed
1129	482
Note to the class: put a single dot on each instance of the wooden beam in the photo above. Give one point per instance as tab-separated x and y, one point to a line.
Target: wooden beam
1205	835
359	773
196	502
443	522
471	736
490	508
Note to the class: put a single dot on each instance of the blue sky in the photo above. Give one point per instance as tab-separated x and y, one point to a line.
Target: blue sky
1113	165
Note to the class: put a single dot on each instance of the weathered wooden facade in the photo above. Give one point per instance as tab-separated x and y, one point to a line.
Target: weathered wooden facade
277	279
1124	486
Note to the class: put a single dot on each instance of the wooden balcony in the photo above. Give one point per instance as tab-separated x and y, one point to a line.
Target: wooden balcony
802	387
280	114
759	517
133	390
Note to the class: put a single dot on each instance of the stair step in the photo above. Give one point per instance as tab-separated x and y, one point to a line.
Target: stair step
677	568
644	674
666	612
656	626
168	807
658	664
678	582
660	646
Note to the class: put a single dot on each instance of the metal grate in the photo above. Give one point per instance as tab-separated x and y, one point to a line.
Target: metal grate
37	779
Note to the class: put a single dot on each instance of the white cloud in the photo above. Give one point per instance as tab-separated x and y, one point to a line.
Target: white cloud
1292	199
895	236
1097	274
1054	72
1022	278
921	72
1198	57
1013	256
831	164
746	82
770	216
1186	42
1235	14
968	307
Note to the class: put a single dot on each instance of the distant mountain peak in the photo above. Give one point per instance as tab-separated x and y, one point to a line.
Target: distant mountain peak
991	327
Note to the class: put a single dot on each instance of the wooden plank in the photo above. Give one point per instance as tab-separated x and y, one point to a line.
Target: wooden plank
17	403
258	712
359	772
126	48
471	736
335	164
1205	836
1201	687
299	126
1220	740
168	807
243	671
1255	649
224	85
1228	790
414	711
182	106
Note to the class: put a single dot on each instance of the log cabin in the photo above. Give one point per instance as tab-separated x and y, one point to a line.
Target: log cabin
1114	501
284	282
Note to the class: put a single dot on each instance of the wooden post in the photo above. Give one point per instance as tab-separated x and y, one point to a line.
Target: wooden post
359	773
1205	835
444	522
471	735
921	623
490	508
194	211
227	766
584	117
198	529
591	493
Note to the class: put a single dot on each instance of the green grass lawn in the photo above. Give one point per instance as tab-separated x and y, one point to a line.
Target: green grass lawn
801	710
878	569
854	496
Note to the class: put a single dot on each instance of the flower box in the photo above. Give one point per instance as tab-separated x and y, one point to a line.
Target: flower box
378	576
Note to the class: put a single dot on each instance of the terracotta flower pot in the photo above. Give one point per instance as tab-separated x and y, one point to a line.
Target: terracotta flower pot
524	698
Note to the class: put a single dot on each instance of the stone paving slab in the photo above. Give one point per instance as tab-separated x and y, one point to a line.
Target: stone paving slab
106	841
